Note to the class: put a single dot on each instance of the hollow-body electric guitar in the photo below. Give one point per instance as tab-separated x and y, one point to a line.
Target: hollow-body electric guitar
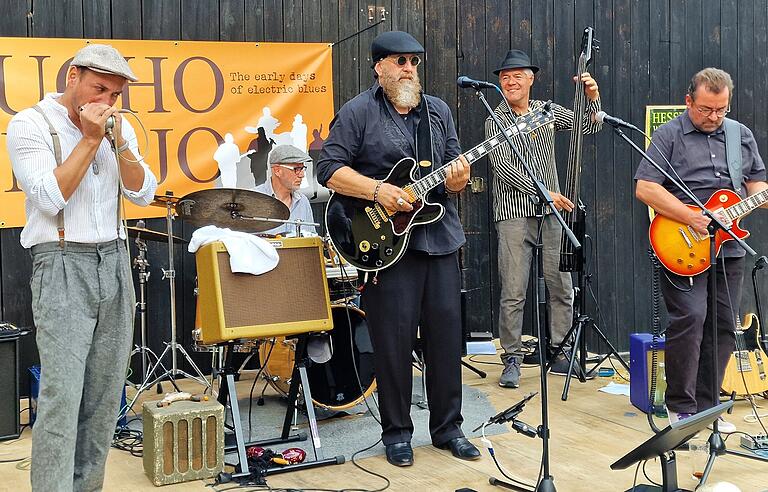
370	237
684	251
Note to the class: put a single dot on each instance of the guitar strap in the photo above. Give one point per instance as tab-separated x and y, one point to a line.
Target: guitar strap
424	151
732	130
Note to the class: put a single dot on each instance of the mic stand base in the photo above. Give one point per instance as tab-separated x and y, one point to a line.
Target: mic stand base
501	483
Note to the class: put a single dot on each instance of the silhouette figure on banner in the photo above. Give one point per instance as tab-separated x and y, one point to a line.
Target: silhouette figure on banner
227	156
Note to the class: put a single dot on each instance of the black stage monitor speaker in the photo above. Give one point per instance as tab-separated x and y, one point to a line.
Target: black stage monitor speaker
9	388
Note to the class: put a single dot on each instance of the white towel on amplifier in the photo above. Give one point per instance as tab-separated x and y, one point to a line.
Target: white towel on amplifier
247	253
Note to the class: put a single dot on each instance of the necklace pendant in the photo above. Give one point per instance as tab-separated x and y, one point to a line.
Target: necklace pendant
95	167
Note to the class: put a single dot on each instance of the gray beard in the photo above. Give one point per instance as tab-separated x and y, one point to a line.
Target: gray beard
401	93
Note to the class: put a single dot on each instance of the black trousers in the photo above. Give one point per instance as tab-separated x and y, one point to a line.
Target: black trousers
420	292
688	352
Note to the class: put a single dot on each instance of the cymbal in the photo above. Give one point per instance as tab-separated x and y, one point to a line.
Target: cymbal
232	208
151	235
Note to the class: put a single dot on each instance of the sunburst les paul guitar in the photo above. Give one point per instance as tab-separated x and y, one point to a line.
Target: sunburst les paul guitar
746	370
370	237
684	251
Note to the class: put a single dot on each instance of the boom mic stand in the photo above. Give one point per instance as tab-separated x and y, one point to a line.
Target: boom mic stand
716	442
543	200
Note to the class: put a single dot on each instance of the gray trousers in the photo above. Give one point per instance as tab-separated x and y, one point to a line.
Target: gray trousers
83	307
517	239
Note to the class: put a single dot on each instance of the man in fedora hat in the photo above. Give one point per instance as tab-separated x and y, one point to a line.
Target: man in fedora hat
515	213
392	120
70	153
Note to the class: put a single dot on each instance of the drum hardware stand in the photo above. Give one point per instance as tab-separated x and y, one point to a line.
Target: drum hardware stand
582	322
173	346
148	356
543	201
228	398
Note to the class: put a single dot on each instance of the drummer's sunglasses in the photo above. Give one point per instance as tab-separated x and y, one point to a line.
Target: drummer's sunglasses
295	169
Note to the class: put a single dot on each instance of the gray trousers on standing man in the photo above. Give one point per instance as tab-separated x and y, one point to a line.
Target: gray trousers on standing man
83	306
517	239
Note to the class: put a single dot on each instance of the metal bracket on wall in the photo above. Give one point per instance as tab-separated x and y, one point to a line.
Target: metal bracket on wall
373	10
477	184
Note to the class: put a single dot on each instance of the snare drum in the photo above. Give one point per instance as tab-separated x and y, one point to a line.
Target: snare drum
334	384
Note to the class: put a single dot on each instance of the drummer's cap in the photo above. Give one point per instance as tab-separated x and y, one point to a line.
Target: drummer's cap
287	154
103	58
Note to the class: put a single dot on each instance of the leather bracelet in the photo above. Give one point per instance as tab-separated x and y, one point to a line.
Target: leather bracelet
376	191
122	148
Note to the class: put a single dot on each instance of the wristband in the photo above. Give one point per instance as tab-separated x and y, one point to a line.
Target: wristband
376	191
122	148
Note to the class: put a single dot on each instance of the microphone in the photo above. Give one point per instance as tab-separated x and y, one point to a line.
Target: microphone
603	117
510	413
466	83
761	263
110	124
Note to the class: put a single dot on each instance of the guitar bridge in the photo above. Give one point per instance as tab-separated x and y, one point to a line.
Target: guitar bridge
695	234
376	214
685	237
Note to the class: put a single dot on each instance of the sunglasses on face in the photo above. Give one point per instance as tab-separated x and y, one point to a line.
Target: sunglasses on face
402	59
295	169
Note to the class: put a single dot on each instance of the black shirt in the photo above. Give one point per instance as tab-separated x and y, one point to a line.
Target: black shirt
370	136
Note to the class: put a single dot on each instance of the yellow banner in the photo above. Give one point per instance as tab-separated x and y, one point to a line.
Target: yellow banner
211	110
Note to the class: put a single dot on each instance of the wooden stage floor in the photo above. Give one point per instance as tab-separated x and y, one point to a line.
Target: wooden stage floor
589	432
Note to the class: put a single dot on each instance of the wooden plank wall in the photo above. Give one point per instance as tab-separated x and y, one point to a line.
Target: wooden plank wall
649	49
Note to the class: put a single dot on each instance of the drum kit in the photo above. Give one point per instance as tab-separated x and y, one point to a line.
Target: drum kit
341	382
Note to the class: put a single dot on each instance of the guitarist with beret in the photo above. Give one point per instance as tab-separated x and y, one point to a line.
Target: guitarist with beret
695	144
390	121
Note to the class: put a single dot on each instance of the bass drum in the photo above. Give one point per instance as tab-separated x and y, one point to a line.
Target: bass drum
334	384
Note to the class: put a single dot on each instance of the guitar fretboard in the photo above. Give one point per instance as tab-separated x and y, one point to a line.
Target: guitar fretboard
746	205
525	125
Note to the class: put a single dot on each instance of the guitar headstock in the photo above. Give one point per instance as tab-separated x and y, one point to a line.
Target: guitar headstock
535	119
589	46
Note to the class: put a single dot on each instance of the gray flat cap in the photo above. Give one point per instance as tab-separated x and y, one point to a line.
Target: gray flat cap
287	154
103	58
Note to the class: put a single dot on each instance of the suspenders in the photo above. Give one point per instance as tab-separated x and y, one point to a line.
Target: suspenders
57	155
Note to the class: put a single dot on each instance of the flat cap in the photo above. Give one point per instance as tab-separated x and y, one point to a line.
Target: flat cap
391	42
287	154
103	58
516	59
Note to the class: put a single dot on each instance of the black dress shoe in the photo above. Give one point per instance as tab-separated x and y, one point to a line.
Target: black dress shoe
461	448
399	453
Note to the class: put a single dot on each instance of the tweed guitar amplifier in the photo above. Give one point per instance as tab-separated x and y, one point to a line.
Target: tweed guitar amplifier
183	441
288	300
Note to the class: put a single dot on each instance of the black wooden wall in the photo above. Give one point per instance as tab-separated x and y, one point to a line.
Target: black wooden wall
648	51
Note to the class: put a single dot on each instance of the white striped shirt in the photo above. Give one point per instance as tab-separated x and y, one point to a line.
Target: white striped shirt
90	214
512	188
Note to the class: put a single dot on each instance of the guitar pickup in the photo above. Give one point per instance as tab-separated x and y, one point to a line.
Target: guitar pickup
685	237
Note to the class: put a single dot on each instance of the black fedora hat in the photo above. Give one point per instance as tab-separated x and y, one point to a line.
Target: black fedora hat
516	59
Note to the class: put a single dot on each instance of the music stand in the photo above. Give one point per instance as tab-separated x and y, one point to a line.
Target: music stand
662	445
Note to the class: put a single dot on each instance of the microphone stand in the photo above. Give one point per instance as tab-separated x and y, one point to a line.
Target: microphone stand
759	265
716	442
542	200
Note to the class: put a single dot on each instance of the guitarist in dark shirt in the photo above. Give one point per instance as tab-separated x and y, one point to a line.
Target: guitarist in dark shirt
390	121
694	144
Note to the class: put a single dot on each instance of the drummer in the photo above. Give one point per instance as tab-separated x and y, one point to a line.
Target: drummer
288	165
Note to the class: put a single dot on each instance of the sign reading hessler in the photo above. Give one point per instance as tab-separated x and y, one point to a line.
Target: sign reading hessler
211	110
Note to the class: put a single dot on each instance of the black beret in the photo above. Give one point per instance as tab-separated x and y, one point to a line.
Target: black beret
391	42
